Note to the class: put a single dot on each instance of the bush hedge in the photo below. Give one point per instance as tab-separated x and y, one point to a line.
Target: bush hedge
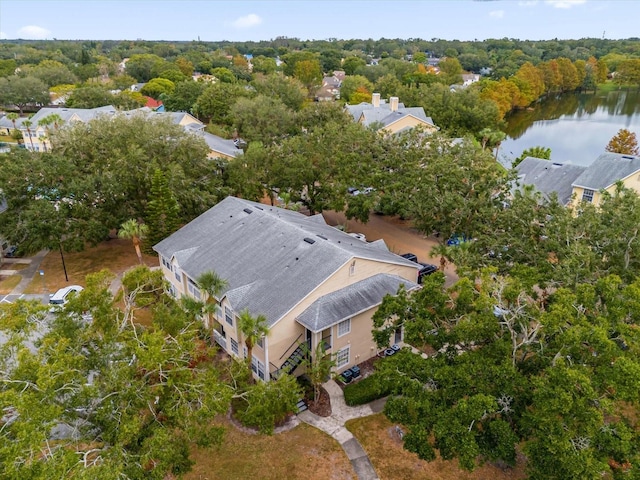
365	391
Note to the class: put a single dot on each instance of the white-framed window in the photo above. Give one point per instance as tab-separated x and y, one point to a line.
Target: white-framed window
260	342
342	357
228	315
344	327
193	288
352	268
178	274
234	345
257	367
167	264
587	195
172	291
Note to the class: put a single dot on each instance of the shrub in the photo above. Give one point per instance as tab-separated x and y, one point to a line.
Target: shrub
365	391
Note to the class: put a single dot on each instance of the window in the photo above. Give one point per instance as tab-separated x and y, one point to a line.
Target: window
167	264
260	342
193	288
342	357
257	367
178	275
587	195
234	346
344	327
352	268
228	315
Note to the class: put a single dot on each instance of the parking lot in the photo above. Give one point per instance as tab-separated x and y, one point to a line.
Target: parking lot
398	234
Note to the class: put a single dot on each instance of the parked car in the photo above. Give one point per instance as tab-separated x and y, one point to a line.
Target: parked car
427	269
10	251
456	239
410	256
62	296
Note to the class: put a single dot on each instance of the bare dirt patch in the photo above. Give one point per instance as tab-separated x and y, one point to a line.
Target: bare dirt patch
304	453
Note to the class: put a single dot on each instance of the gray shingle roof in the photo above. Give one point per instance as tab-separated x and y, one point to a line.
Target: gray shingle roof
267	253
548	177
606	170
356	110
387	117
221	145
85	114
351	300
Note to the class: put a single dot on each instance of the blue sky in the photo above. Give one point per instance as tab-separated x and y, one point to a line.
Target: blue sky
239	20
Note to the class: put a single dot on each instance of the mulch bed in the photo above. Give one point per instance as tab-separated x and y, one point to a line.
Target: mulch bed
321	407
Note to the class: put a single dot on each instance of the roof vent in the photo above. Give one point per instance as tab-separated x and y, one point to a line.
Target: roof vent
247	210
259	208
309	240
627	157
322	237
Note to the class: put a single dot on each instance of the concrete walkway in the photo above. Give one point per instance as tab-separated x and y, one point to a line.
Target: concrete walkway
27	273
334	426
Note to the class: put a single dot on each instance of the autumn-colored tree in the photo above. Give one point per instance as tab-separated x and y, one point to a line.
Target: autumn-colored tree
309	72
360	95
624	142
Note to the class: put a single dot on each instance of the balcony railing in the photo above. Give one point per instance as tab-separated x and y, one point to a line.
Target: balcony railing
220	340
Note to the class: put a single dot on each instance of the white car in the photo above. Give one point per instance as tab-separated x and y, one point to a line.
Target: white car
62	296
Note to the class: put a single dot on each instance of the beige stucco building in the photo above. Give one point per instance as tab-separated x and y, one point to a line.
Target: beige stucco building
311	281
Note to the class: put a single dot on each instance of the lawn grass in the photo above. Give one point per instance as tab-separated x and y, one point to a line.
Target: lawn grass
378	437
303	453
117	255
9	283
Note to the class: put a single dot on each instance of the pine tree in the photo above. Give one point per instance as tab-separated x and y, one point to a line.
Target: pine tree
162	210
624	142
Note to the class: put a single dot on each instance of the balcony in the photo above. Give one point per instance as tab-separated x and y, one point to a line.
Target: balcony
220	340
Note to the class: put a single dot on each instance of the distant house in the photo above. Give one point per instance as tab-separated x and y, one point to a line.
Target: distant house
37	140
469	78
36	136
153	104
392	117
312	282
577	183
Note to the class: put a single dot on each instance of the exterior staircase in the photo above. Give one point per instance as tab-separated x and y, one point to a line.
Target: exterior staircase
294	360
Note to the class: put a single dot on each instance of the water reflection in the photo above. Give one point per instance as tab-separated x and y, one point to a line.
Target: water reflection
576	126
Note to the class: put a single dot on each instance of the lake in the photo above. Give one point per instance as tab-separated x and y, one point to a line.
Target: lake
576	126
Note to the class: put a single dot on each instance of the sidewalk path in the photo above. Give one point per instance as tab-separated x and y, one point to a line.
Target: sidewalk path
29	273
334	426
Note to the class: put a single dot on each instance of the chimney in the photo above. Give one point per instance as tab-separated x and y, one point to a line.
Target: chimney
393	101
375	99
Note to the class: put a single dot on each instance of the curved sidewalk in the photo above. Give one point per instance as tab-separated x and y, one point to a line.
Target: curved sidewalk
334	426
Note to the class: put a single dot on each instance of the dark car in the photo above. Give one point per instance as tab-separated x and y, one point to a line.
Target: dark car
11	251
427	269
410	256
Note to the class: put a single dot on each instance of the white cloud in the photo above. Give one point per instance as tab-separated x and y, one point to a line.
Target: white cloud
565	3
247	21
497	14
528	3
3	36
33	32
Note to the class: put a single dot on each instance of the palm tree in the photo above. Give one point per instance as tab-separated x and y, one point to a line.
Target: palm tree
45	122
28	123
212	284
253	329
135	231
444	251
13	117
